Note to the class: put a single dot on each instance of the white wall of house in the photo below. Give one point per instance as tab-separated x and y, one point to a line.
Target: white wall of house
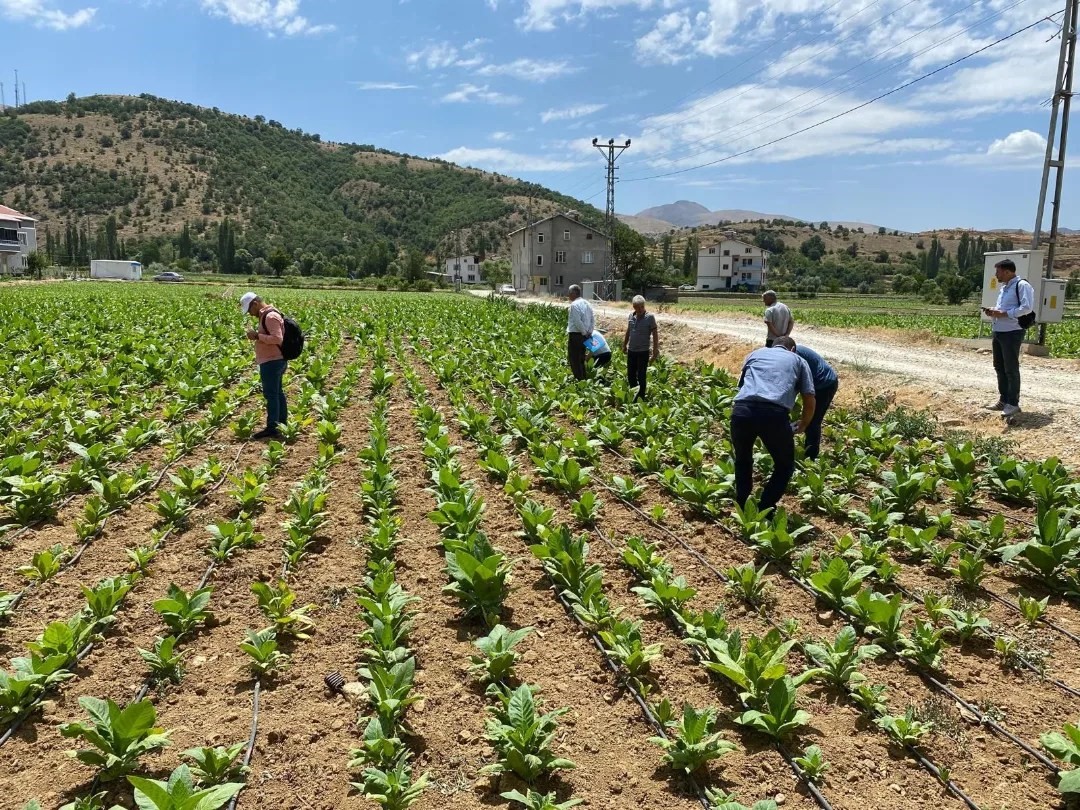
18	239
465	267
731	263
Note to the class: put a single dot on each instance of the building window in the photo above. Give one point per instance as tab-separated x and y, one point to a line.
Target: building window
712	251
539	261
586	257
558	281
704	286
22	238
9	235
725	267
472	277
748	250
588	236
540	238
747	262
560	257
543	281
566	236
727	252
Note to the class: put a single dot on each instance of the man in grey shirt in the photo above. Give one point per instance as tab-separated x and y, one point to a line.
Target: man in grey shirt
640	332
770	380
778	319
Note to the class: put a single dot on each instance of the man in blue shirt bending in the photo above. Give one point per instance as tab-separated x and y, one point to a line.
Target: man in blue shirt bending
1016	299
825	384
770	380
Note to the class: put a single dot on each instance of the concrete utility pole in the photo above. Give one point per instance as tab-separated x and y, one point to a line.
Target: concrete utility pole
16	89
611	153
1055	152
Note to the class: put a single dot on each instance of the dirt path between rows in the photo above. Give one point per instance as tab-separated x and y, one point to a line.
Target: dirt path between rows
954	379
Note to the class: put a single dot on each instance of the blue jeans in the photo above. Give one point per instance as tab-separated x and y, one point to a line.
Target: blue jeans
271	374
823	399
1007	365
749	421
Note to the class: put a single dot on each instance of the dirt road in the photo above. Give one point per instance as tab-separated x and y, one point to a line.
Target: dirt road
953	379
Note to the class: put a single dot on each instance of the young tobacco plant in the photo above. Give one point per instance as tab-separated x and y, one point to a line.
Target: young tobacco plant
531	800
692	740
179	792
262	649
495	663
164	661
118	736
182	612
45	564
218	765
393	788
906	730
840	660
1065	747
522	736
276	602
813	763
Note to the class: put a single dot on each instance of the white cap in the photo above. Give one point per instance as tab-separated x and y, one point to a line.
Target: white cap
245	301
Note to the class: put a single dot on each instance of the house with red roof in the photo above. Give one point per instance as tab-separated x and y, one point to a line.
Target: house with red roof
18	239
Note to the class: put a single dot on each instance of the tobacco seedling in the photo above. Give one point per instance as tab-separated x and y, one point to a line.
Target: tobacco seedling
480	579
905	730
1033	609
392	789
216	766
1065	747
778	716
179	792
173	508
625	489
381	747
390	689
182	612
623	641
664	593
276	603
495	663
262	648
925	645
45	564
103	600
164	661
522	736
966	623
970	568
813	763
118	736
840	660
836	582
586	509
531	800
658	513
692	740
749	582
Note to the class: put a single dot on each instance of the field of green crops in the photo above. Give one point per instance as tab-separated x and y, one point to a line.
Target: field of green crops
891	313
462	580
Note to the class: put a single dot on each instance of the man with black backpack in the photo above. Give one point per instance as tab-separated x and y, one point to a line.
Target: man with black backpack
1013	313
277	341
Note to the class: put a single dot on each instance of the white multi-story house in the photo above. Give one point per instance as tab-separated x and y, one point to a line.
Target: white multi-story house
465	269
18	239
730	264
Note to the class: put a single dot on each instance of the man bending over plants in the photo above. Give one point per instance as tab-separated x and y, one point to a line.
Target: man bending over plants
769	382
268	338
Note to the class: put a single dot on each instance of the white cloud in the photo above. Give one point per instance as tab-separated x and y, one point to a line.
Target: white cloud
436	56
670	41
544	15
273	16
1022	144
467	93
383	86
504	160
530	70
570	113
805	60
501	136
41	15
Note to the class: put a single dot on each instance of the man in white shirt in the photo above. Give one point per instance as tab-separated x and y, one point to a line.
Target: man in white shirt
1016	299
580	324
778	320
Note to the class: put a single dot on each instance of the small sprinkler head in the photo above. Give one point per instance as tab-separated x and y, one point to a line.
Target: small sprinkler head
335	682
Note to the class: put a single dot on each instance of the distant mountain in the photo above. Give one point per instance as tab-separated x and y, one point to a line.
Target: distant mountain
689	214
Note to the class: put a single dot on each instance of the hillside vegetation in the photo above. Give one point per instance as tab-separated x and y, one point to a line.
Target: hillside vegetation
156	178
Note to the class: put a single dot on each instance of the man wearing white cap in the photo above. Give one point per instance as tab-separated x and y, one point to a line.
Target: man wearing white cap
268	338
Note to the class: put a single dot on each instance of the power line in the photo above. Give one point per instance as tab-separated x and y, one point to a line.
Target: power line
856	108
850	86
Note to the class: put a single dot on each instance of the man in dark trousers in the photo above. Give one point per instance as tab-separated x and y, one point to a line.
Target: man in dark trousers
826	382
580	324
640	333
770	380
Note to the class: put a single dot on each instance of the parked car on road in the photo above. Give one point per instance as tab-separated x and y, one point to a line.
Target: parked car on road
507	289
168	275
688	288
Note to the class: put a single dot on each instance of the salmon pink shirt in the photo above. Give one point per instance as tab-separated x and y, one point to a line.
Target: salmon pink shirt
271	333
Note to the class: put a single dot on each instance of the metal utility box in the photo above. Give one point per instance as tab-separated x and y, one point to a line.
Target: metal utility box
1029	266
1050	306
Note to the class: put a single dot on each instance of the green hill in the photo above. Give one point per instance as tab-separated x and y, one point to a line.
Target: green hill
156	178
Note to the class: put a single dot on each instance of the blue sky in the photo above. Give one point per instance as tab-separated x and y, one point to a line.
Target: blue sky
521	87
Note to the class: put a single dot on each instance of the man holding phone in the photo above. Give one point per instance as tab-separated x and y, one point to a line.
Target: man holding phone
1013	313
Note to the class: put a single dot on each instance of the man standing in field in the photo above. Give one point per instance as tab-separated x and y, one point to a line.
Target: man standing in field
268	338
826	381
778	320
640	330
1010	317
580	324
770	379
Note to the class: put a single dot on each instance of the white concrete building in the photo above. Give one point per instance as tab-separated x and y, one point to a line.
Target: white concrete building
730	264
18	239
465	269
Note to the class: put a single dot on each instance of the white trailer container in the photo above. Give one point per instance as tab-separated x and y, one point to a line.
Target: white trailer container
116	269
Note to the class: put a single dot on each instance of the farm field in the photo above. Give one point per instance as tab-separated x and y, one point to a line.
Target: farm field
890	312
535	592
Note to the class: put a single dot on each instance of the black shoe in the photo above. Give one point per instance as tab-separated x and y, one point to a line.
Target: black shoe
266	433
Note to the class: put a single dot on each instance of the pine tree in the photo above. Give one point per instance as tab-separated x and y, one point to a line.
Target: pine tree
184	246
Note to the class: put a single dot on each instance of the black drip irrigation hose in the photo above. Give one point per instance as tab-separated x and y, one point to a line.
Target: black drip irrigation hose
251	737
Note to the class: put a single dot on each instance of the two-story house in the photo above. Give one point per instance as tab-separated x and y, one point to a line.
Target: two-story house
465	269
549	255
730	264
18	239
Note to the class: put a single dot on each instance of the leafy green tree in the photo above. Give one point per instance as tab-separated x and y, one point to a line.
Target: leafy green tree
813	248
36	263
496	272
278	261
953	286
184	247
242	261
415	265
